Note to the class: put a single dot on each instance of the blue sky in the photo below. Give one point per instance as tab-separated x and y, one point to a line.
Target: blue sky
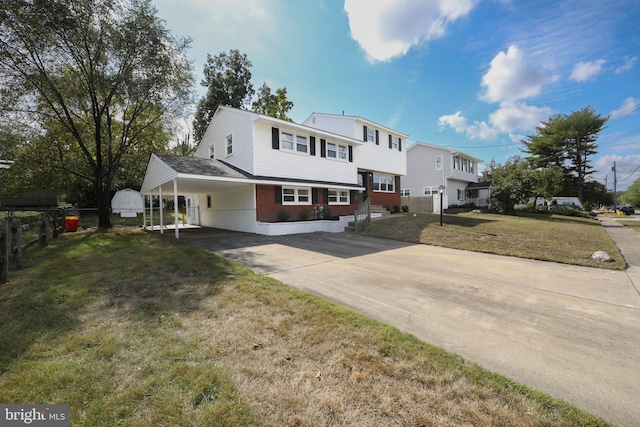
474	75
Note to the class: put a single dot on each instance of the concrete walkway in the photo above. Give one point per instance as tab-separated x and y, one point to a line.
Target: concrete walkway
573	332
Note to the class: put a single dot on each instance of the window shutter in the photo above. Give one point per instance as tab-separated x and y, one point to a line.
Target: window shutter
352	196
312	145
275	138
314	196
377	137
397	187
325	195
399	144
390	141
323	148
364	133
351	154
278	194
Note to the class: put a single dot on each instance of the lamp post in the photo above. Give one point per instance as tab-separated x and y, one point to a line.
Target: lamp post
441	191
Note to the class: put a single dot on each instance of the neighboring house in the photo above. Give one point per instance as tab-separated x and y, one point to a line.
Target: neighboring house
431	166
250	167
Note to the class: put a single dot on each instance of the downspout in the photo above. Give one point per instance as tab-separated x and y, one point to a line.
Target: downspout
175	205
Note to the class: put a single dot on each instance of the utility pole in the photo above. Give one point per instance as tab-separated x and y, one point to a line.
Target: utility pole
615	181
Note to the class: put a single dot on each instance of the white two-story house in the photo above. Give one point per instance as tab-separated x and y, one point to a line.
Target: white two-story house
431	166
249	168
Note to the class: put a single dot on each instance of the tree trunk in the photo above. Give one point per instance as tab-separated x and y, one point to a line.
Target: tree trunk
104	209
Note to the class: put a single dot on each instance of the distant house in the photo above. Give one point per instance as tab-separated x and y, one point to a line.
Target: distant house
249	168
431	166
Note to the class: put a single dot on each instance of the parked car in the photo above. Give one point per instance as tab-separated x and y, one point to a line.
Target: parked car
628	210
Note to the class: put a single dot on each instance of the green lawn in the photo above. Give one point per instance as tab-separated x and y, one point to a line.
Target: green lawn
136	329
568	240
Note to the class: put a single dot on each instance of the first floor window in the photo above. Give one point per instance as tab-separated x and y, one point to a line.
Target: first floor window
229	145
430	191
461	194
405	192
383	183
296	196
209	201
338	197
212	152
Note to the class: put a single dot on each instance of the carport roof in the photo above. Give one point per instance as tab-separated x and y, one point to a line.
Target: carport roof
197	175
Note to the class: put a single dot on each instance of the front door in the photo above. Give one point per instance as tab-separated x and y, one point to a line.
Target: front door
362	182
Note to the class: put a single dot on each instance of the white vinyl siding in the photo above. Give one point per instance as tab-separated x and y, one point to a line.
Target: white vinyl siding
296	165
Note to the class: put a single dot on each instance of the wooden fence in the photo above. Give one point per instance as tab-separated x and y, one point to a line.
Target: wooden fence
11	239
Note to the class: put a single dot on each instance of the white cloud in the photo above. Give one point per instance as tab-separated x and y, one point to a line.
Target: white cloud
518	116
511	78
475	130
386	29
626	170
628	107
629	62
584	71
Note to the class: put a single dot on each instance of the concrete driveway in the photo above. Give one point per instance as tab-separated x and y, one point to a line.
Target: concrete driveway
572	332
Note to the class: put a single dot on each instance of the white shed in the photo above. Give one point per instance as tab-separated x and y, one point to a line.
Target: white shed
128	203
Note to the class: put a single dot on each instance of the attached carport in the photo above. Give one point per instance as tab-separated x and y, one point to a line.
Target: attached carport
179	175
170	175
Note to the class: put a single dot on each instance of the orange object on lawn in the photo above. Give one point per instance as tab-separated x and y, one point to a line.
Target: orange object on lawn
71	222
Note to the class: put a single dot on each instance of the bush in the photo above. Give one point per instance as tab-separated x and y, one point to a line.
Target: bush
396	209
283	215
326	213
405	208
305	214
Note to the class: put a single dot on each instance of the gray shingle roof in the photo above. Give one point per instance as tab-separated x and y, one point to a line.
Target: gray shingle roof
199	166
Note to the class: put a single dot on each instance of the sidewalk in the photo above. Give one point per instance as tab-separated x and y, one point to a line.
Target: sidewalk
628	241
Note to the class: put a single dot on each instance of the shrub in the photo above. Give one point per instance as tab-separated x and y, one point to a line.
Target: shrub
405	208
283	215
396	209
305	214
326	213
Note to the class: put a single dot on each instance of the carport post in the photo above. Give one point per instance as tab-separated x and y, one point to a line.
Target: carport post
161	211
151	208
175	205
144	212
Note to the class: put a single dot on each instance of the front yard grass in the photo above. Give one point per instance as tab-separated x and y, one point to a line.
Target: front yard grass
563	239
136	329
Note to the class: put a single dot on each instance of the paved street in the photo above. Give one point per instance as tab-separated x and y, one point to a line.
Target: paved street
573	332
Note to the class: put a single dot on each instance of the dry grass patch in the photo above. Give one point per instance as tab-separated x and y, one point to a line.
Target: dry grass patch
568	240
135	329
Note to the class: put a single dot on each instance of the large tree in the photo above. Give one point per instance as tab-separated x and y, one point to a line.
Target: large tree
275	105
227	77
96	78
631	195
511	183
568	142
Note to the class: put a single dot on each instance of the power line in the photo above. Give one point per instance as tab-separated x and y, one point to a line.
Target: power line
630	175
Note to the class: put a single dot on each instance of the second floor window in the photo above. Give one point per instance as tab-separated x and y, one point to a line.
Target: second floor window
371	135
438	163
301	144
229	145
287	141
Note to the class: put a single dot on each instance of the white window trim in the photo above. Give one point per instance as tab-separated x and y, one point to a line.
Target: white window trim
461	194
340	194
405	192
439	163
371	133
297	196
395	141
294	143
212	152
386	183
432	191
228	145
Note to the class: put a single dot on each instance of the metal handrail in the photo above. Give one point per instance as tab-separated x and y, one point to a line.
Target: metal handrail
362	215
